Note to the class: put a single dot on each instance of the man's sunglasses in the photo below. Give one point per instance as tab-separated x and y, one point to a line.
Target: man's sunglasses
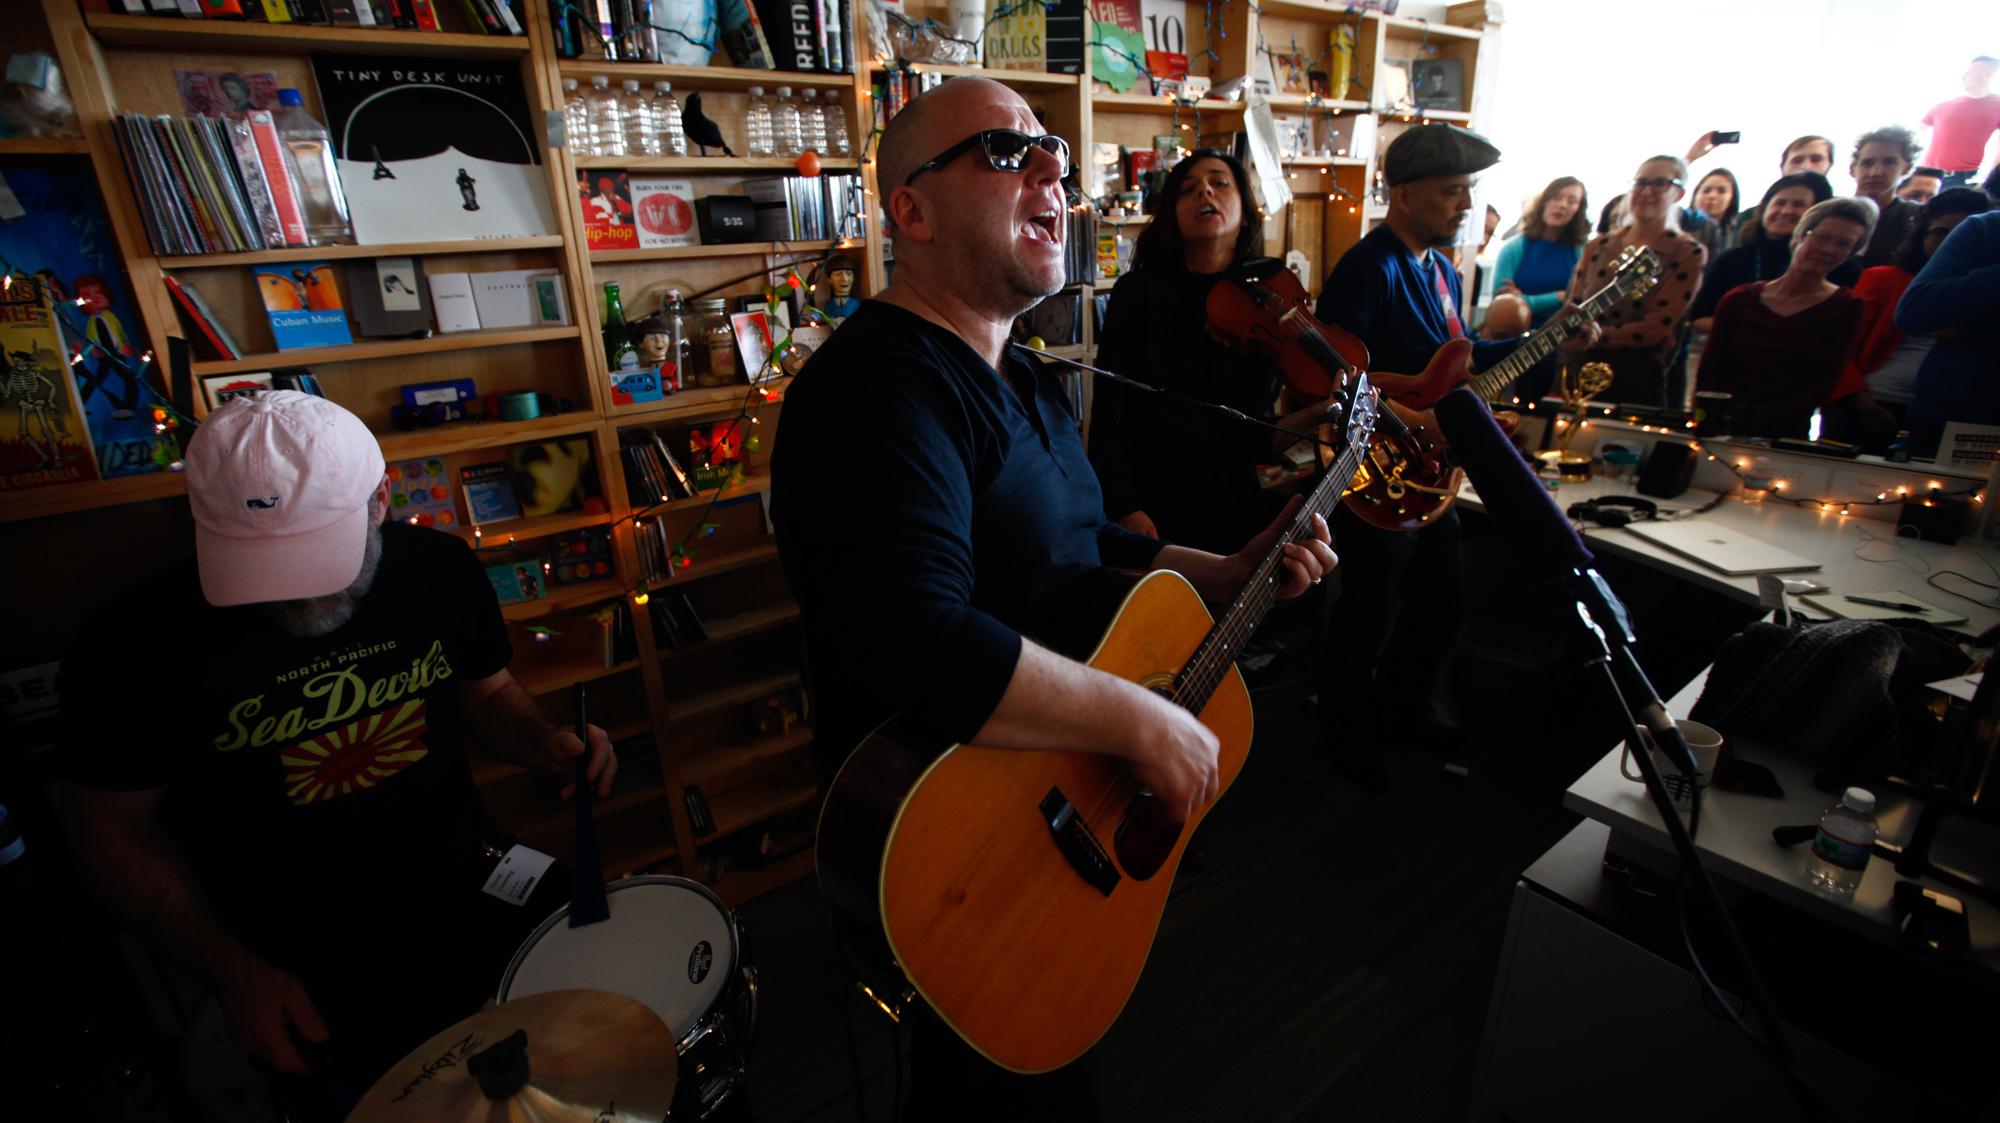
1006	149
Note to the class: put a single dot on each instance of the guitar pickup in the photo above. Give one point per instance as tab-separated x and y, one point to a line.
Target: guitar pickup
1078	845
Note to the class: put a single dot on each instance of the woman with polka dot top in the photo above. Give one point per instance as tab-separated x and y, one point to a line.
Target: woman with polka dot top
1642	336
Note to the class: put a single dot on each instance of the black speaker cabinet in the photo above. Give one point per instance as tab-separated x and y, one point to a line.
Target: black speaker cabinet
1667	471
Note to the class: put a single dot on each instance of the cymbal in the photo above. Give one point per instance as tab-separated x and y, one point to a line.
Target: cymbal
576	1056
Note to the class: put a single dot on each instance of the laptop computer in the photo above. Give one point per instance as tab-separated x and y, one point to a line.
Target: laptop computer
1721	549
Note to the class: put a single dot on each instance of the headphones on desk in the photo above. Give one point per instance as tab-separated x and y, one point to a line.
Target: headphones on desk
1614	510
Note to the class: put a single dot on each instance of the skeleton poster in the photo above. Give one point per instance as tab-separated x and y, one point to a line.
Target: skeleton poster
42	438
434	149
62	236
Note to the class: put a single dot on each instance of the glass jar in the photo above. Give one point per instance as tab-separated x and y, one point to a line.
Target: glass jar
718	343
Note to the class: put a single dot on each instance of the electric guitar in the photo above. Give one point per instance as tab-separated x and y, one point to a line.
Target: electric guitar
1019	891
1415	486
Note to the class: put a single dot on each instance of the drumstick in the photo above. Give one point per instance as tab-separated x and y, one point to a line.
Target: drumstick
586	901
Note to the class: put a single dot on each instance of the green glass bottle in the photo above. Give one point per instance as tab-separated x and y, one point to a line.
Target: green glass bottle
619	354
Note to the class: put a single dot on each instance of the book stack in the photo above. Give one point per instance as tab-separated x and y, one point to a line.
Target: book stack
900	87
656	550
1080	247
493	17
796	208
211	184
653	476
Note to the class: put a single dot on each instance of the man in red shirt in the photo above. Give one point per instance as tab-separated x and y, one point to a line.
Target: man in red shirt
1961	126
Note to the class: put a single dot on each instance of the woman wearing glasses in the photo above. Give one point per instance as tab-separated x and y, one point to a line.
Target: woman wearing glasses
1777	346
1872	399
1171	469
1641	337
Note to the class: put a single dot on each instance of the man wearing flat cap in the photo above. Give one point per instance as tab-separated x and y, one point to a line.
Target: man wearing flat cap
1397	609
271	785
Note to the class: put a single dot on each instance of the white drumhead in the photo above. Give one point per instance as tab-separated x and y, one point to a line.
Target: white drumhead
669	943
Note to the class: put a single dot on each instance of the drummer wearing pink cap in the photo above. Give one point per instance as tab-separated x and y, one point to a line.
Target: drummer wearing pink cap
271	784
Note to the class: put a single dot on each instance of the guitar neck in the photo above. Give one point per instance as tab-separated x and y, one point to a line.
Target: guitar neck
1538	346
1211	662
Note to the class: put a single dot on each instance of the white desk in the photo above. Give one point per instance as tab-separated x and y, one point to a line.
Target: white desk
1849	561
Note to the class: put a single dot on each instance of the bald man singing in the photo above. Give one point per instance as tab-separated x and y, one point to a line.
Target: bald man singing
930	491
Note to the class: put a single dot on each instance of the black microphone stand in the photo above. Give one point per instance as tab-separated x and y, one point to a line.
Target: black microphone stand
1604	617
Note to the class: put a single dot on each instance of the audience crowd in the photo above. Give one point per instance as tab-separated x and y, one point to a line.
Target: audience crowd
1879	312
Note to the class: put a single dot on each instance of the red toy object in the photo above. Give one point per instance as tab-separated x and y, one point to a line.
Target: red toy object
808	163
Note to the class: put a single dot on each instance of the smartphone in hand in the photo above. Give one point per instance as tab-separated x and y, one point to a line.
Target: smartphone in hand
1719	137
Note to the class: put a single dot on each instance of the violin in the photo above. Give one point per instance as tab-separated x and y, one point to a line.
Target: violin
1261	307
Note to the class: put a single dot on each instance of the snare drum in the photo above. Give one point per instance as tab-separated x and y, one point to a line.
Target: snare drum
673	945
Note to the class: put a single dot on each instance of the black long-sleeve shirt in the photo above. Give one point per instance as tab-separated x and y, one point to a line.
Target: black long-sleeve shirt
925	505
1193	471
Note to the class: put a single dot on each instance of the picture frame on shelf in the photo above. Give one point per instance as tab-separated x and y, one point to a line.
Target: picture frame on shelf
218	390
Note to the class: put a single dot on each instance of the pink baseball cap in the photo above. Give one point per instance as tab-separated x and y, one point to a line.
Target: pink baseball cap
280	483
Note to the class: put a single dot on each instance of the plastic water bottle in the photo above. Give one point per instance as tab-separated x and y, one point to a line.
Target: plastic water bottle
812	121
1840	850
642	137
576	121
837	143
607	119
309	151
785	124
667	119
757	124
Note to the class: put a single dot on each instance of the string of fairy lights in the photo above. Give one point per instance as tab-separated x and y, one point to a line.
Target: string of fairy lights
167	420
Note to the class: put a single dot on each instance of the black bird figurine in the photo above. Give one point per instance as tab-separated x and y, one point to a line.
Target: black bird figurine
699	129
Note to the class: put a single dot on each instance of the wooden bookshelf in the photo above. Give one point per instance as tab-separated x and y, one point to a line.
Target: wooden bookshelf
156	34
386	348
752	804
680	707
684	253
717	163
699	77
1010	77
563	598
689	405
722	629
712	764
1150	103
466	436
44	146
388	249
62	499
496	535
710	563
562	676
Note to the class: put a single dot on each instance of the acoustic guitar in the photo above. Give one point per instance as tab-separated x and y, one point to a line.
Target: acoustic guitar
1405	488
1019	891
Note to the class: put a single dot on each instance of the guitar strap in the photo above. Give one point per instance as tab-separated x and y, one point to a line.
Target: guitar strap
1453	327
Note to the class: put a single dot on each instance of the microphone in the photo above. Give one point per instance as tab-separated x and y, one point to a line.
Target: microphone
1518	502
1523	511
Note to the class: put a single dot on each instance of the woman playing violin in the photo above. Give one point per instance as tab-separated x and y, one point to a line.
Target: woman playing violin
1170	469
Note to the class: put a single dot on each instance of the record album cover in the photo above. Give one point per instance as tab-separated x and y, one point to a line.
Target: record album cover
434	149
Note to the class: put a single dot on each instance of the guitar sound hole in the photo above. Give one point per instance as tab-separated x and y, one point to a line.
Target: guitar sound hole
1144	839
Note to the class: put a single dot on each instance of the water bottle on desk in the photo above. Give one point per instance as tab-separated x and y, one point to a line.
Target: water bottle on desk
667	118
607	119
642	137
576	120
309	154
757	124
790	138
1840	850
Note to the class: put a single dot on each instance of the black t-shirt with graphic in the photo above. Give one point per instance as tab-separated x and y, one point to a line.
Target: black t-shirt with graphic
318	787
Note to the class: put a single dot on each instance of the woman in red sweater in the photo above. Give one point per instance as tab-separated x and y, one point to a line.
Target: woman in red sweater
1777	346
1867	404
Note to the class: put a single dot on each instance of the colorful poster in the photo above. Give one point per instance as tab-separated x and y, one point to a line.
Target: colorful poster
64	240
434	149
42	439
606	198
225	93
420	493
1017	35
663	211
304	305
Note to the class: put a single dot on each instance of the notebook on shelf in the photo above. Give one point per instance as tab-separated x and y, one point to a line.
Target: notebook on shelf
1721	549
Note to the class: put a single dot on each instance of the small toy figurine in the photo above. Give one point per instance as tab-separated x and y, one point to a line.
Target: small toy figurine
655	341
840	275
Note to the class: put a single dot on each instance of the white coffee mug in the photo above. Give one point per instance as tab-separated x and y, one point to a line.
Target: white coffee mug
1702	741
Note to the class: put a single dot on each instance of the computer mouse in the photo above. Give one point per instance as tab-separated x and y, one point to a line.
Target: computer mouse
1798	586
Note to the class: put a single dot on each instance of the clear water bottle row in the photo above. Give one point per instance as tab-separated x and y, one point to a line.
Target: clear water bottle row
789	126
602	121
629	121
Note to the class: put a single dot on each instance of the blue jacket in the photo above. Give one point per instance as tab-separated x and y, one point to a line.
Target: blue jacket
1960	378
1384	294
